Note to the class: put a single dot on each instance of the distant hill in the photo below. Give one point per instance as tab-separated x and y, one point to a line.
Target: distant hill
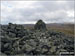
52	25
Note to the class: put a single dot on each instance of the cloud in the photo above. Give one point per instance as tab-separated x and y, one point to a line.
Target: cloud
28	12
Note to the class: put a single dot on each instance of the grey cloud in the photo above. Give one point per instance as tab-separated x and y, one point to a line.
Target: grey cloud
39	10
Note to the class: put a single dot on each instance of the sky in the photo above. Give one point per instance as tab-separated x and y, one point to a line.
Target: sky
29	12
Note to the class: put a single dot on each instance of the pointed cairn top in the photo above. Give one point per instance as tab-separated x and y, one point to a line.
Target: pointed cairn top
40	25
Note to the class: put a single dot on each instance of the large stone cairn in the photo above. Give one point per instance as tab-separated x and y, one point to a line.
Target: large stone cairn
40	25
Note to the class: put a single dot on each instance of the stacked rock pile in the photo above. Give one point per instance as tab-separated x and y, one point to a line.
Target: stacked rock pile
15	40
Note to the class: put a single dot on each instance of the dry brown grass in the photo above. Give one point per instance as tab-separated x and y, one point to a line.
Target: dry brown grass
66	30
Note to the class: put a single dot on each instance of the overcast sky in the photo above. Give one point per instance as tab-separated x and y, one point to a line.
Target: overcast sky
28	12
